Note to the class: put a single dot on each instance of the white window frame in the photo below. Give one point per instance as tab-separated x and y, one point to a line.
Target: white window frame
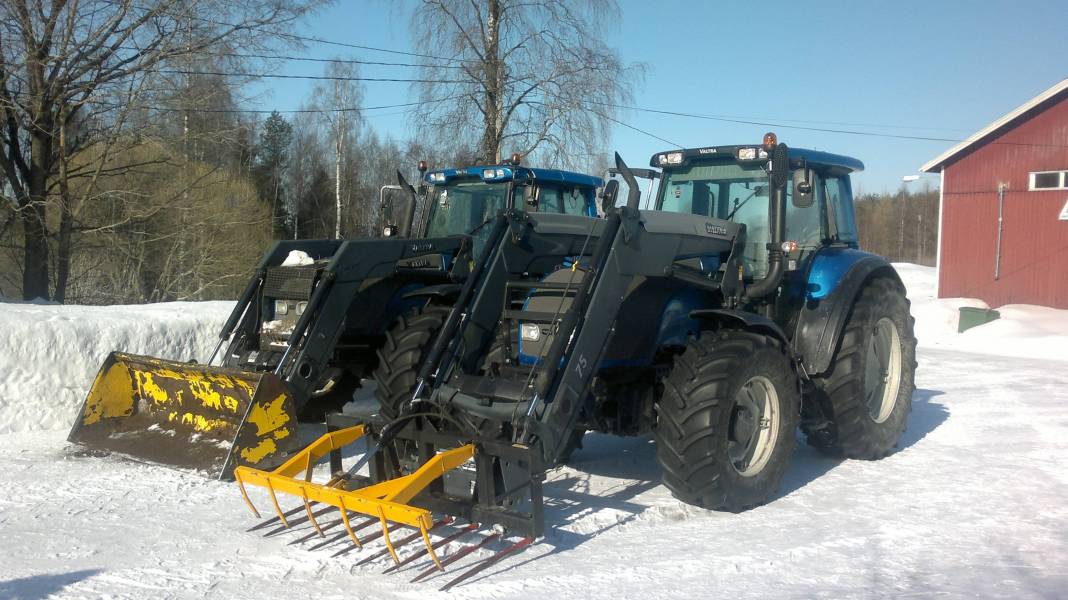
1031	181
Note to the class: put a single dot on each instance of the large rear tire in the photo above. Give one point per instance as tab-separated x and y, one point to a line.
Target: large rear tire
726	421
867	392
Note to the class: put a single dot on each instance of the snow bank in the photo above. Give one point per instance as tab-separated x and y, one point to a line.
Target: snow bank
49	354
1024	330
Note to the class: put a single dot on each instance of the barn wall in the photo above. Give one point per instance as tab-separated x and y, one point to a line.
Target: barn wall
1034	246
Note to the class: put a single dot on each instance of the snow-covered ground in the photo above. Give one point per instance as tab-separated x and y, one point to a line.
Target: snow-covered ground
973	503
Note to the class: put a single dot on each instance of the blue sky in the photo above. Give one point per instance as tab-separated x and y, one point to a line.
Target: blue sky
940	69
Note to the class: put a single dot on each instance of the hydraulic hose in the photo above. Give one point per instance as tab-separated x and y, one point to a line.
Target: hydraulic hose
569	320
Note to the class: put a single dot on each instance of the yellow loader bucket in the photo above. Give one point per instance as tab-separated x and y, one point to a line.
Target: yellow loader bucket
188	415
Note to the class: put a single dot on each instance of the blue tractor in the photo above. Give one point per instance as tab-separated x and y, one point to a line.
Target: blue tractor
735	311
312	323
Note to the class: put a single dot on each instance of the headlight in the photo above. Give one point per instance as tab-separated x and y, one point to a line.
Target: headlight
281	307
669	158
530	332
387	231
747	154
301	307
491	174
437	177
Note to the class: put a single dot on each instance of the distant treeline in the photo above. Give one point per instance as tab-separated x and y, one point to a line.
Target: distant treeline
902	226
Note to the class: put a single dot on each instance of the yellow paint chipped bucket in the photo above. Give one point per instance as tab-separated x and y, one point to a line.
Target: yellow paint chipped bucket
188	415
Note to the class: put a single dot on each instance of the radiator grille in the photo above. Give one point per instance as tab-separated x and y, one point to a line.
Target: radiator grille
292	283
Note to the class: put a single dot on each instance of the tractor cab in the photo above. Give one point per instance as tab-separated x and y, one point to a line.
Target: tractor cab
466	200
732	183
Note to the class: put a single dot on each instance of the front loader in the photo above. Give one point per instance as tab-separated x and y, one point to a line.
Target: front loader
736	311
310	326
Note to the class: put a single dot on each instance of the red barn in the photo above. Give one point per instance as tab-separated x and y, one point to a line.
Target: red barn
1003	218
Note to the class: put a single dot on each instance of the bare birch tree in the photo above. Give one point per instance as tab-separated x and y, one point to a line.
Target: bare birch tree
526	76
339	101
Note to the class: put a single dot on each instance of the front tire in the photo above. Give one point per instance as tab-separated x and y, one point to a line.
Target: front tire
726	421
399	360
867	392
400	357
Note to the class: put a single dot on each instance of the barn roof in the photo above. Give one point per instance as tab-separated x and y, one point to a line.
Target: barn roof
933	166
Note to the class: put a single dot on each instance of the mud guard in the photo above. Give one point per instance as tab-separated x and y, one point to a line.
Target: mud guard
820	323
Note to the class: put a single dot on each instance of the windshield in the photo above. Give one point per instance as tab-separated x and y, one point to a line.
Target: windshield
461	207
731	191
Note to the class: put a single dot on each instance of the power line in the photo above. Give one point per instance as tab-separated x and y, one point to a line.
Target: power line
348	61
303	38
804	128
269	111
311	77
652	135
371	48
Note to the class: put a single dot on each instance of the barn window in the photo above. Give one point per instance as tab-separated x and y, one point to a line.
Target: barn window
1049	180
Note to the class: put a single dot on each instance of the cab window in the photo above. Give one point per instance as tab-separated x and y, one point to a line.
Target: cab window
804	225
570	201
839	199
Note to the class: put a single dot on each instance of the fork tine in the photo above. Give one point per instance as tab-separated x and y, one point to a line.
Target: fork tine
488	561
466	529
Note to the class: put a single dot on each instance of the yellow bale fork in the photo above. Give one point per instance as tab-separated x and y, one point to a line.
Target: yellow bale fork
386	501
188	415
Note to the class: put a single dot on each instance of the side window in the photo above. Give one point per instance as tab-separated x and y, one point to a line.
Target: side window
803	224
574	202
549	200
691	197
677	198
839	199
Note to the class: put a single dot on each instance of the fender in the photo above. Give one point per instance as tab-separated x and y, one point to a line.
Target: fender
443	291
820	322
747	320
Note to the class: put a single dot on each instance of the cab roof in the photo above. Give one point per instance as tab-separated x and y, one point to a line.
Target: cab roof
816	158
549	175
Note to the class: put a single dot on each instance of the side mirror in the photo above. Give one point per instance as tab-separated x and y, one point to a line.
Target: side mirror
530	195
803	196
609	195
402	212
386	196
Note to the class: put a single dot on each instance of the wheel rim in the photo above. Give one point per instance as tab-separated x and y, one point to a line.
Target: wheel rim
882	372
754	427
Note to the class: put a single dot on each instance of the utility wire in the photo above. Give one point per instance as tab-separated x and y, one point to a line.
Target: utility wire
347	61
804	128
269	111
312	77
301	38
652	135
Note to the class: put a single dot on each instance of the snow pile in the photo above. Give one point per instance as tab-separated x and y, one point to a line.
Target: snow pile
1023	330
49	354
297	258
